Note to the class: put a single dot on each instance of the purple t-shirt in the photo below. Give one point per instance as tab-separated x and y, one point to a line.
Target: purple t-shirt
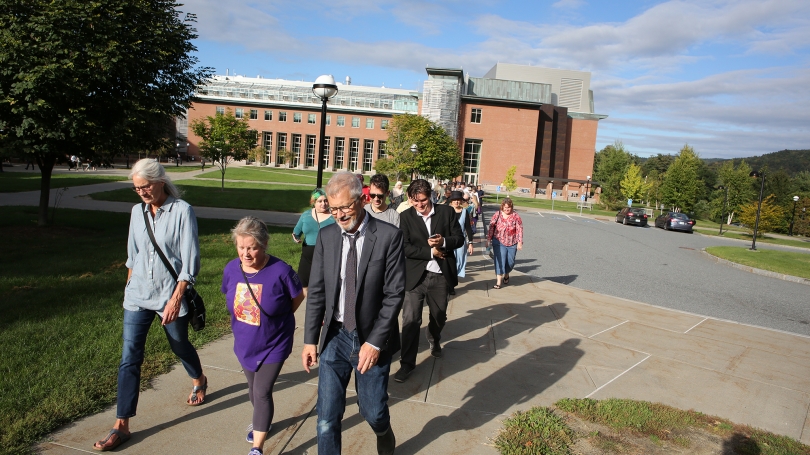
258	337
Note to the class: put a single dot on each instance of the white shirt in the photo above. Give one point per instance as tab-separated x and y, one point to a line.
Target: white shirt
344	255
432	265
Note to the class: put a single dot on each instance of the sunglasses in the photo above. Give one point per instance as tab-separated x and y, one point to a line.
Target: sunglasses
376	196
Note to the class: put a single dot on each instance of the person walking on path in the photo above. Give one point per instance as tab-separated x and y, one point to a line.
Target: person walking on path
378	192
431	234
262	293
397	194
356	292
506	236
151	291
463	214
309	224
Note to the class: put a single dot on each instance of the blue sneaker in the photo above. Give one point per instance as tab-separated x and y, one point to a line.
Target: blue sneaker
249	437
255	451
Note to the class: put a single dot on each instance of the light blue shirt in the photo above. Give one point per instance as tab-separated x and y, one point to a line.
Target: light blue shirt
175	227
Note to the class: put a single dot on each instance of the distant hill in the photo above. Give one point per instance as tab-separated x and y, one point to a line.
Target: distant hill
791	161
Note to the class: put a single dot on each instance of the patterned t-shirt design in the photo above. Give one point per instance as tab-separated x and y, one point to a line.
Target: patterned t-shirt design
244	307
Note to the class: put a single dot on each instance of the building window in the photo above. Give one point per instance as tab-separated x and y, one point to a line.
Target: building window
296	117
311	119
254	114
281	148
282	116
381	150
369	123
472	159
268	115
310	151
383	124
355	122
328	120
368	155
341	120
267	143
340	147
476	116
354	150
296	150
326	144
220	110
239	112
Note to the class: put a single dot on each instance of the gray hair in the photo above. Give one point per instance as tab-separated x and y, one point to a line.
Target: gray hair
252	226
152	171
344	180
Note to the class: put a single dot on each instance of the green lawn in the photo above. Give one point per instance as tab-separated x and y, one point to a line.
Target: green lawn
787	262
545	204
267	174
15	182
61	290
741	235
237	195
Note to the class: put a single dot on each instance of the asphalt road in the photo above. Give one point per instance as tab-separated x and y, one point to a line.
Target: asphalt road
654	266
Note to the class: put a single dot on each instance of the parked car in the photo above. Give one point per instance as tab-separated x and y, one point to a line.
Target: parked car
675	221
630	215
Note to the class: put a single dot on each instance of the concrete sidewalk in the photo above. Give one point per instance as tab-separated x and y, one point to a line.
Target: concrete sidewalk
527	344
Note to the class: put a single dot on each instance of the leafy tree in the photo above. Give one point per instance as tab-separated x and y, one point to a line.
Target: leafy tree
437	152
509	182
771	215
633	186
658	163
802	182
224	139
801	224
654	183
612	163
682	185
85	77
257	155
740	189
781	186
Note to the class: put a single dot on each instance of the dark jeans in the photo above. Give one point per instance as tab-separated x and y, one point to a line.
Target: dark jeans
432	289
136	327
337	361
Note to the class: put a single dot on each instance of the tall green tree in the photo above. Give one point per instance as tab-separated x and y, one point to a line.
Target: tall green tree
740	189
509	181
437	154
89	76
224	139
659	163
771	215
633	185
682	184
611	165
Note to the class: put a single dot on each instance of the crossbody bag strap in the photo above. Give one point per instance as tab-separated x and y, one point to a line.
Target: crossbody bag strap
251	291
154	243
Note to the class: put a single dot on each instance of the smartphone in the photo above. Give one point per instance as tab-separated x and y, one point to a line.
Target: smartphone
434	236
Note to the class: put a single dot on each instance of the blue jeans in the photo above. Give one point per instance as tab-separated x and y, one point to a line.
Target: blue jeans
337	361
136	327
504	257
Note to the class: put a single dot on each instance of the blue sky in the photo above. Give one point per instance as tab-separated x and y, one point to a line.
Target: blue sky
730	78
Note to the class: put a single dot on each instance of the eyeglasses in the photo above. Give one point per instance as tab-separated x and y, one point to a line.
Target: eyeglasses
344	209
376	196
144	188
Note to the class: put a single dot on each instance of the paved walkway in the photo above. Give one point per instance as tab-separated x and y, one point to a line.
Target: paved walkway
528	344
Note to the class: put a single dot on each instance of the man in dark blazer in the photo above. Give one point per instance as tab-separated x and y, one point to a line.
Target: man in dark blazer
430	236
356	289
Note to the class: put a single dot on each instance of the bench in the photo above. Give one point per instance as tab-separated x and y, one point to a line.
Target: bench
585	205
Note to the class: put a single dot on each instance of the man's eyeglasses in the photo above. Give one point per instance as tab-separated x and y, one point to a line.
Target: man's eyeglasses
376	196
343	209
144	188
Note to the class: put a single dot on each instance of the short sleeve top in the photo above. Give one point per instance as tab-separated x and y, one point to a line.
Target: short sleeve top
261	335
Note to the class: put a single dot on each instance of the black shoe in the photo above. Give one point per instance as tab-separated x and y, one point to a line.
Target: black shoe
435	349
403	373
386	443
452	291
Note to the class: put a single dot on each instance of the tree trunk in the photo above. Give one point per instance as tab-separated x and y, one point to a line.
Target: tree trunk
46	168
222	168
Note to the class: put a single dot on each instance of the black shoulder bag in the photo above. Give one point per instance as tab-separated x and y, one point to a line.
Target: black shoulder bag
196	306
250	288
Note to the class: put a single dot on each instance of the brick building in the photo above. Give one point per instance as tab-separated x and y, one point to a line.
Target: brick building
540	119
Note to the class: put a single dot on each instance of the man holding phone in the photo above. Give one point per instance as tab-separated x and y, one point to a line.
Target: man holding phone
430	236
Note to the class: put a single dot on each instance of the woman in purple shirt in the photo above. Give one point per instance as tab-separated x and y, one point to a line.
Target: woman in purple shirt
262	293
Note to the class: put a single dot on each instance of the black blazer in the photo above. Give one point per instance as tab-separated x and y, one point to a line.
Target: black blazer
418	252
380	285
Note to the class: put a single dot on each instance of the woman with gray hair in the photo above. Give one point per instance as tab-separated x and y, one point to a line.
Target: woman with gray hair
152	290
262	292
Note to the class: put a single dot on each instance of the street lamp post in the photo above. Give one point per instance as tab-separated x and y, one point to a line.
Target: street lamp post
760	174
177	155
324	88
587	187
725	204
414	151
793	215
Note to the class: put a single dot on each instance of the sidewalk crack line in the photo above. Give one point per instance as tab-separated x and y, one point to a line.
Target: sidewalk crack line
617	377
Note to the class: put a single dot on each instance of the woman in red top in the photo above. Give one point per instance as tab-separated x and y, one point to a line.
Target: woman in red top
506	236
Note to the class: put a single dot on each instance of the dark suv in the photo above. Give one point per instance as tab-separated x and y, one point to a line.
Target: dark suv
630	215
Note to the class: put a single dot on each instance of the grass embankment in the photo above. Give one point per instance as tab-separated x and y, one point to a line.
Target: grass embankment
741	235
545	204
15	182
61	290
787	262
268	174
543	431
237	195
